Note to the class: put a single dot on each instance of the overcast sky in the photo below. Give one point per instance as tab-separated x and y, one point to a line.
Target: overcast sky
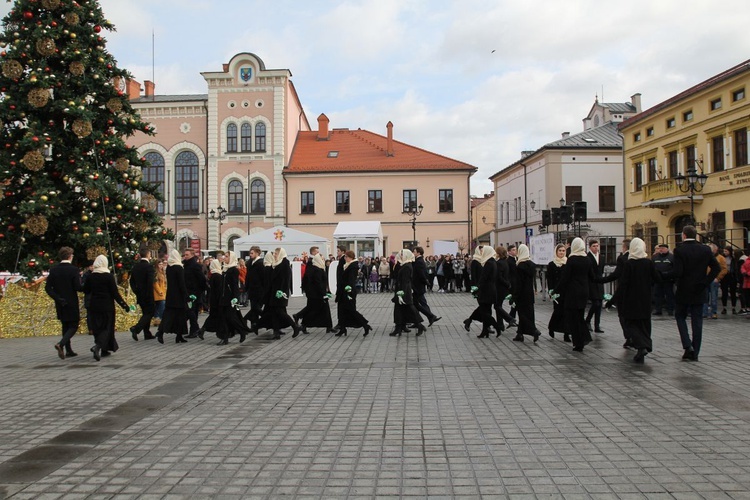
476	80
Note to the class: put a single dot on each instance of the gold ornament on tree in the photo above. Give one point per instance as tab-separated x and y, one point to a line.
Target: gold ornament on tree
122	164
38	97
76	68
50	4
37	225
72	19
114	105
46	47
33	160
82	128
140	226
93	252
92	193
12	69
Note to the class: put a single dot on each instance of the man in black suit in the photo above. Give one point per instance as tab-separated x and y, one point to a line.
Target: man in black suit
419	286
63	285
340	256
695	267
512	256
254	284
142	278
307	260
596	289
196	284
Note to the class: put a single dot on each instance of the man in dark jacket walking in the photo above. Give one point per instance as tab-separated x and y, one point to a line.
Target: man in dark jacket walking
419	286
63	285
195	283
695	267
142	278
255	286
664	291
596	288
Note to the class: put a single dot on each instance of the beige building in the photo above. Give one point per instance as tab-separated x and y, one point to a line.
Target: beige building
343	175
701	135
483	219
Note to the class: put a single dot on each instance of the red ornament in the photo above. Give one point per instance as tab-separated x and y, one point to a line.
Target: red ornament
32	263
97	29
106	198
53	24
11	228
28	15
35	139
2	236
118	265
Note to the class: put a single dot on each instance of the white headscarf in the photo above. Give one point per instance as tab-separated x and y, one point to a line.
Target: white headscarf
318	261
637	249
406	256
279	258
485	254
232	262
268	259
559	262
174	258
101	265
523	253
578	248
215	266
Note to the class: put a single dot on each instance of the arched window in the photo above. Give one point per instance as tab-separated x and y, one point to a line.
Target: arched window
260	137
234	193
230	243
258	197
153	172
186	183
246	137
231	138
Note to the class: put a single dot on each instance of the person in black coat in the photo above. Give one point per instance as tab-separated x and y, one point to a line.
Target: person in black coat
255	286
307	263
318	313
554	273
63	284
215	320
596	288
638	277
280	290
695	267
229	301
502	285
176	304
574	290
484	291
420	281
195	284
617	297
523	295
104	293
512	253
346	297
142	278
404	311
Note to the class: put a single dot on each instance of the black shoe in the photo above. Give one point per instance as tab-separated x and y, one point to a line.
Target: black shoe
467	325
566	337
70	354
60	351
518	338
639	357
368	328
148	336
484	335
689	354
97	352
434	320
499	332
420	329
656	313
180	340
160	337
201	331
303	329
395	333
223	342
551	334
296	331
513	324
193	335
295	317
628	344
106	353
328	330
134	333
243	336
578	349
341	332
276	335
537	333
598	330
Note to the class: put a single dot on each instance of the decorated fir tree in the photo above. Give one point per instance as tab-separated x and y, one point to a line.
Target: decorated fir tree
68	177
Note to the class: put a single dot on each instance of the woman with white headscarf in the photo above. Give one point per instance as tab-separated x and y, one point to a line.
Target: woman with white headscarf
574	290
485	291
346	297
554	272
176	304
215	321
280	291
103	293
636	283
404	311
229	302
317	313
523	295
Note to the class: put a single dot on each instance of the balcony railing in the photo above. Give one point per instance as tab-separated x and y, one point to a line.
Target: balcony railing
664	188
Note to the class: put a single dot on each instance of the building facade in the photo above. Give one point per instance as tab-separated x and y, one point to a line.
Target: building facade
703	129
583	167
343	175
483	213
219	156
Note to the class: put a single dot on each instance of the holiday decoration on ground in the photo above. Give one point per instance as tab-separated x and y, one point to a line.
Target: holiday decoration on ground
68	177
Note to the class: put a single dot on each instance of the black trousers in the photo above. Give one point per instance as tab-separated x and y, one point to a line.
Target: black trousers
596	311
420	302
69	328
147	314
192	316
483	313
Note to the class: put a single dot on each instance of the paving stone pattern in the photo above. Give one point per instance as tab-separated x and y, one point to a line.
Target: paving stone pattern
442	415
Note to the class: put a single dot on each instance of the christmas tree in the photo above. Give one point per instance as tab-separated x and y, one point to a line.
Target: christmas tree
68	177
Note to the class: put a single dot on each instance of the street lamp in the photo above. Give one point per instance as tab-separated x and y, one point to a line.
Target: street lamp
691	183
414	213
220	214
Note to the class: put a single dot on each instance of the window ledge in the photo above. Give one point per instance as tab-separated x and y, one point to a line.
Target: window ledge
307	213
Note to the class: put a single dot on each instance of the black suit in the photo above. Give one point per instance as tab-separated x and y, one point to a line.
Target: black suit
691	261
574	290
195	284
596	291
63	285
419	283
142	278
255	286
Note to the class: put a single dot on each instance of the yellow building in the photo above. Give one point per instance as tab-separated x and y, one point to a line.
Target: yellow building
699	135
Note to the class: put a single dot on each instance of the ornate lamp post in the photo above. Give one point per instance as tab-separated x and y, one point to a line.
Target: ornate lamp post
691	183
414	213
219	215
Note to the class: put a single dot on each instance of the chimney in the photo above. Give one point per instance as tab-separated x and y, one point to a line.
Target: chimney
389	145
149	88
323	127
565	135
636	100
133	89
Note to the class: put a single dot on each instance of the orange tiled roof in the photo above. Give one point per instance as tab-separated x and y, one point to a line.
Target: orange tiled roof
363	151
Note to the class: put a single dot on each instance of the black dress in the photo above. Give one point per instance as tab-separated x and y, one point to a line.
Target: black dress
557	320
347	301
280	280
406	313
175	306
215	321
523	296
231	316
101	314
574	289
636	284
317	311
486	297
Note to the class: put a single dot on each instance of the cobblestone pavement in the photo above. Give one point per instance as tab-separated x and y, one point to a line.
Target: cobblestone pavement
442	415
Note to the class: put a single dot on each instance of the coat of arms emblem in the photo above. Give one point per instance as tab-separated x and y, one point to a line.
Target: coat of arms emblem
246	74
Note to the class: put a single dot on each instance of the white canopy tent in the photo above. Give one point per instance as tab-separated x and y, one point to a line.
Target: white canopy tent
365	237
293	241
